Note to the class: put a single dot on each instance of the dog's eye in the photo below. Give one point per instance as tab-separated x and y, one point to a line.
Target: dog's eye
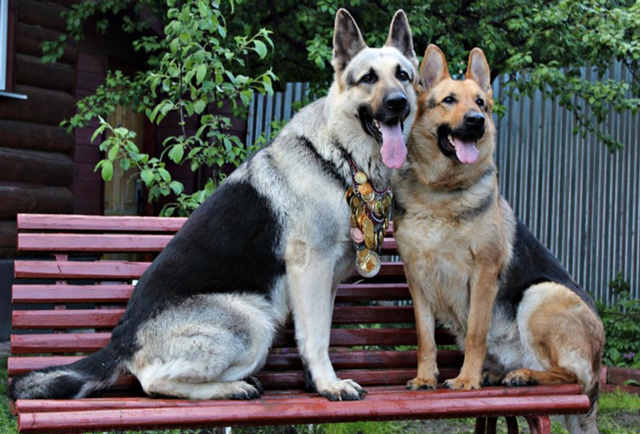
449	100
402	76
368	78
480	102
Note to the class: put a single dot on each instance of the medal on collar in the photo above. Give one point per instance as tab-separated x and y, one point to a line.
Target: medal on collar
370	209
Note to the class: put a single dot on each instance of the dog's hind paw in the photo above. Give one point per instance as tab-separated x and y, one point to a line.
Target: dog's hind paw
421	384
519	378
491	378
255	383
244	391
343	390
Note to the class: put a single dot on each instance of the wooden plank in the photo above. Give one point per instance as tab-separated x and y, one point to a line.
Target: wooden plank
34	199
375	393
89	342
42	106
71	293
314	410
65	242
29	38
108	318
373	291
25	135
358	359
99	223
120	269
68	242
121	293
47	168
30	71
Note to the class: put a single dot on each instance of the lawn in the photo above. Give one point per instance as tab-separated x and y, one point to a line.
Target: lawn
619	414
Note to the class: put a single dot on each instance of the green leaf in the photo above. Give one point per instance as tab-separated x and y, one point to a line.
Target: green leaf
201	73
107	171
260	48
147	176
113	152
177	187
176	153
199	106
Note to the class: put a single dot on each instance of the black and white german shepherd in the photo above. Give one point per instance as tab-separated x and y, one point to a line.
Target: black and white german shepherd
272	241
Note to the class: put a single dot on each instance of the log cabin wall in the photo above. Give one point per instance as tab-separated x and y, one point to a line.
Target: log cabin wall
36	166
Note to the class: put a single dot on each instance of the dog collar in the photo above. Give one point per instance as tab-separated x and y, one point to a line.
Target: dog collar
370	210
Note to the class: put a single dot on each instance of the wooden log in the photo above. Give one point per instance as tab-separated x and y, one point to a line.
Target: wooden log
313	410
30	71
38	137
42	106
8	235
14	200
48	168
29	38
43	14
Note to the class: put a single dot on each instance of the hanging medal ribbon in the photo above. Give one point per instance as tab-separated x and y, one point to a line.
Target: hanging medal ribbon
370	209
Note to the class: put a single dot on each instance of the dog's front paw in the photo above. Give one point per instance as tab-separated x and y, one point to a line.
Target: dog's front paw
463	383
343	390
422	384
519	378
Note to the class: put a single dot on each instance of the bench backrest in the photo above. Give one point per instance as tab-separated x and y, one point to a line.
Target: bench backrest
80	294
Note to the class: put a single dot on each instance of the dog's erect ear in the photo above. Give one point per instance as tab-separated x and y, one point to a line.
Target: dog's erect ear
400	35
434	67
347	40
478	70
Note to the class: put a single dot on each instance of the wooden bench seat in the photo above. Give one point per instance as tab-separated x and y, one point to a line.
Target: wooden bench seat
68	301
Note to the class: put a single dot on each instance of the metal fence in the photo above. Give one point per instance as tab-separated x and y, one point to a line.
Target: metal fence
580	200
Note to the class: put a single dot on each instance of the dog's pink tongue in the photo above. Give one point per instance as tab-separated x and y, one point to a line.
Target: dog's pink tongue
394	151
466	151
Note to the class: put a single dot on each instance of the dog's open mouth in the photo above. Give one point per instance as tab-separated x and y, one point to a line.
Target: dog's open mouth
461	148
388	133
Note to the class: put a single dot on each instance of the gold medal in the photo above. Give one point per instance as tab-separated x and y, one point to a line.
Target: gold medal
360	177
369	265
365	189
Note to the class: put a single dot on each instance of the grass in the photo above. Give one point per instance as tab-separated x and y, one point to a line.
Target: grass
619	413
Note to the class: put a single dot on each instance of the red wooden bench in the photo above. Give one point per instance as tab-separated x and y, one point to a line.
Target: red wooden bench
85	294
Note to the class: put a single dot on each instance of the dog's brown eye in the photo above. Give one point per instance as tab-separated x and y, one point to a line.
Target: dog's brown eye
480	102
403	76
368	78
449	100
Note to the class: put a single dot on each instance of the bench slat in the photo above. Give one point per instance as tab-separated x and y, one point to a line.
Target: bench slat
312	410
65	242
53	222
108	318
98	223
375	393
340	359
123	269
89	342
111	293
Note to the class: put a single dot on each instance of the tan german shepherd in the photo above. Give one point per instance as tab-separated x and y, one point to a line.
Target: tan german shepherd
472	265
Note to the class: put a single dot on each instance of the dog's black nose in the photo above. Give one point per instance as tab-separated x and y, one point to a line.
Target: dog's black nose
396	101
474	119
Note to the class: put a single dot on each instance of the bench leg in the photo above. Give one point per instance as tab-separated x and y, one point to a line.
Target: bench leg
539	424
512	425
486	425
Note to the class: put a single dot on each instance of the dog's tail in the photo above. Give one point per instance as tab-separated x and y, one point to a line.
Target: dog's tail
77	380
587	423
